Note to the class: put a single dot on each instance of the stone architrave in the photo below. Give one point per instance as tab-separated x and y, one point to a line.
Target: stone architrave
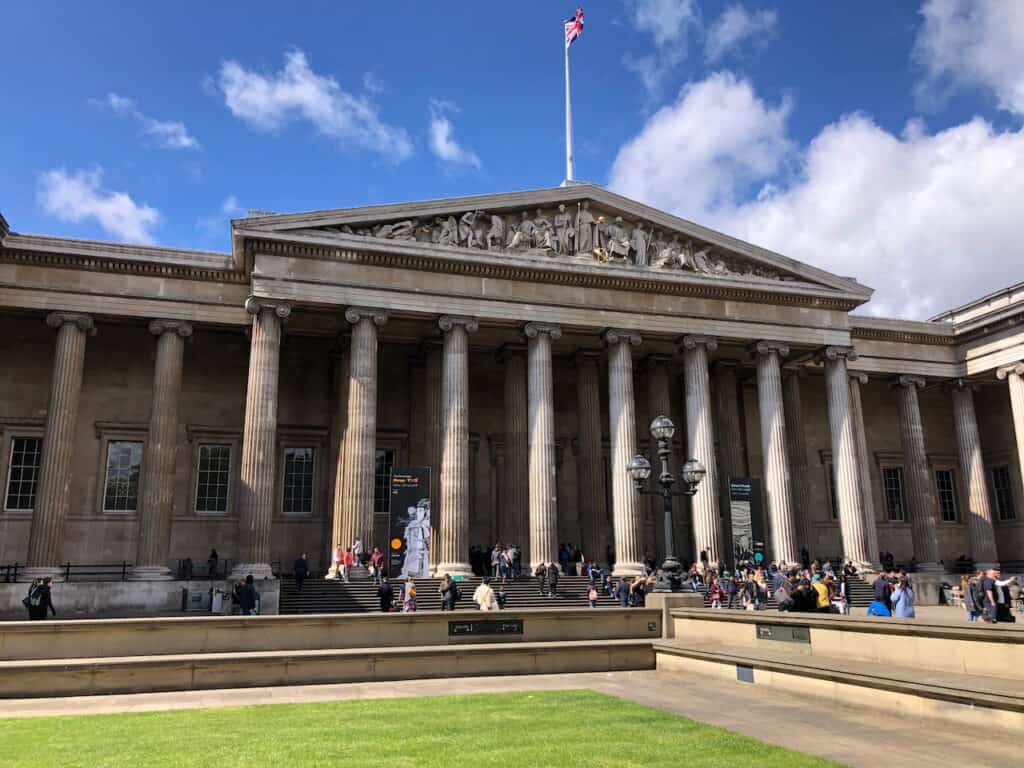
259	439
589	464
541	426
796	441
46	534
626	518
453	557
700	444
515	510
984	551
844	455
360	463
774	451
921	502
158	461
864	465
659	403
1014	377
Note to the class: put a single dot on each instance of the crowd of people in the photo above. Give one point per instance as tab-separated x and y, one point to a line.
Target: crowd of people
988	597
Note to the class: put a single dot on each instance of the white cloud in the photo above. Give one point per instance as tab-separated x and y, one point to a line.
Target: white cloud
669	22
81	196
373	84
734	27
930	220
218	224
169	134
972	43
268	102
442	137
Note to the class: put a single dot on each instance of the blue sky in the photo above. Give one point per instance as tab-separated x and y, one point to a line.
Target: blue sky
875	139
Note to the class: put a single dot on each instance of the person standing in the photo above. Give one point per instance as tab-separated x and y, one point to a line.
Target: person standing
386	595
357	552
211	564
409	596
970	588
41	600
541	574
592	596
301	570
27	599
552	580
445	590
484	596
247	597
990	595
622	591
346	563
377	565
903	600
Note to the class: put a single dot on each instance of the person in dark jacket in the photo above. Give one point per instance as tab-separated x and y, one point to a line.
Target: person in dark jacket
386	595
552	580
211	564
622	592
541	574
40	599
448	591
247	597
301	571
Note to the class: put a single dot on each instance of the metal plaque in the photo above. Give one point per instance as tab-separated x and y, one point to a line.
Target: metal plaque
786	633
485	627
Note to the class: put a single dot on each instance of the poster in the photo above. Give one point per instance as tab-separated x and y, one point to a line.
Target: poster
409	523
745	511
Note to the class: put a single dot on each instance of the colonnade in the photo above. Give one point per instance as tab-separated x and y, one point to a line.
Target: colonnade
529	393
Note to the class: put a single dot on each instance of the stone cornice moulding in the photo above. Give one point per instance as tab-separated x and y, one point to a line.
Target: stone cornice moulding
132	428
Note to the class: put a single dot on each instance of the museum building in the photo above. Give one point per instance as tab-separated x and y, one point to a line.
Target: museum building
156	403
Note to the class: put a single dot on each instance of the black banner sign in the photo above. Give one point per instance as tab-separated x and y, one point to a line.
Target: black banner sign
409	528
485	627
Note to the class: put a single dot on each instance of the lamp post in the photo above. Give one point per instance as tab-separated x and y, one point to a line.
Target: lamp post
670	577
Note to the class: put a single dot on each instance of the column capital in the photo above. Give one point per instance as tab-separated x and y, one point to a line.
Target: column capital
831	354
506	351
613	336
692	341
859	376
354	314
1017	369
180	327
81	321
254	305
766	347
908	381
959	384
447	322
532	330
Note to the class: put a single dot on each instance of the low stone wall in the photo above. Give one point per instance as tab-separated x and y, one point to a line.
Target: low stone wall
24	640
968	649
120	598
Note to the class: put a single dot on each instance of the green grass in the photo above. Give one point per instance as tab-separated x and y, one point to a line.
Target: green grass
513	730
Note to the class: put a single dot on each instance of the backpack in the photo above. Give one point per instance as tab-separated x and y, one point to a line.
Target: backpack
35	598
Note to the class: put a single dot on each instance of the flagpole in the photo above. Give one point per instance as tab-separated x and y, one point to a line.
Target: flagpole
568	121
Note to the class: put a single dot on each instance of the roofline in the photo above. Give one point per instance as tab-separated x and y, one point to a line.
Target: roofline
944	317
128	251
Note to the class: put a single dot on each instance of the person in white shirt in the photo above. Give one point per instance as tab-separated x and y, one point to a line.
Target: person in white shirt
484	596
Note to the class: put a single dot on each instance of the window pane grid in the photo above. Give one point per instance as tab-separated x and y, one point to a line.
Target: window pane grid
946	487
1002	493
121	493
892	485
213	479
23	474
298	481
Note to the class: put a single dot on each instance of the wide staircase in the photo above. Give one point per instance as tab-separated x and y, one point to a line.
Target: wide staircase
359	594
860	596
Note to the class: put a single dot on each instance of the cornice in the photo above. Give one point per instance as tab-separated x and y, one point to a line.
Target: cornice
902	331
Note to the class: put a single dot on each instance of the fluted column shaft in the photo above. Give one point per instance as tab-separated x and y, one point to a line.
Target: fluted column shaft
659	403
340	367
543	467
774	453
622	416
46	535
921	502
1014	377
589	465
515	522
700	442
259	439
796	442
361	430
454	554
158	461
435	420
979	510
864	465
844	456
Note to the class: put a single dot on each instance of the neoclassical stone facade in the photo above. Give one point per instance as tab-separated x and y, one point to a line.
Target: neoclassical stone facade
157	403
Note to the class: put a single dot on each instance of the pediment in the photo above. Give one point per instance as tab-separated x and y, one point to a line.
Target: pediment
579	224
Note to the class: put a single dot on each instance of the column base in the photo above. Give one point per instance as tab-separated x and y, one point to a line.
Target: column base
259	571
453	569
150	573
28	573
627	569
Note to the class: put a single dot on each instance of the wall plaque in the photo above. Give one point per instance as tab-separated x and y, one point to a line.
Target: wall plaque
485	627
786	633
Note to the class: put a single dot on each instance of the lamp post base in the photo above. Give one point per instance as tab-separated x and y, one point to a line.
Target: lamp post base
670	576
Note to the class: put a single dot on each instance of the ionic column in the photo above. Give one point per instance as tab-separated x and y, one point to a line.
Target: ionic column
626	518
543	468
700	443
259	440
454	549
921	502
979	509
158	461
434	418
515	517
46	535
589	465
774	450
340	365
867	498
844	455
1014	377
659	403
796	442
361	427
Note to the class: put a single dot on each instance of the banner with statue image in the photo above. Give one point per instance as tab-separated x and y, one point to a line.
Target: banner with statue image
409	523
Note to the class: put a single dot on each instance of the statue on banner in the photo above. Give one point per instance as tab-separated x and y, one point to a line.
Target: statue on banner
417	541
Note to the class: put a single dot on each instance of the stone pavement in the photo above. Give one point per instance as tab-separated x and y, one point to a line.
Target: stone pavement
851	736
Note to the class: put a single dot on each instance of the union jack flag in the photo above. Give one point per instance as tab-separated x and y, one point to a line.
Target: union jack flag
574	27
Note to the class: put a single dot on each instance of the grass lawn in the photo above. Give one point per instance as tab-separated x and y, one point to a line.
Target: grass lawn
521	730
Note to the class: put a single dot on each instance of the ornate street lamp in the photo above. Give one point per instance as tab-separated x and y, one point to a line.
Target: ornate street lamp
670	579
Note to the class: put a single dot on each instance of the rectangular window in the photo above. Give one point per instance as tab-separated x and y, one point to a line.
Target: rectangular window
945	484
833	501
23	474
298	481
892	486
121	491
1002	495
382	482
213	479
